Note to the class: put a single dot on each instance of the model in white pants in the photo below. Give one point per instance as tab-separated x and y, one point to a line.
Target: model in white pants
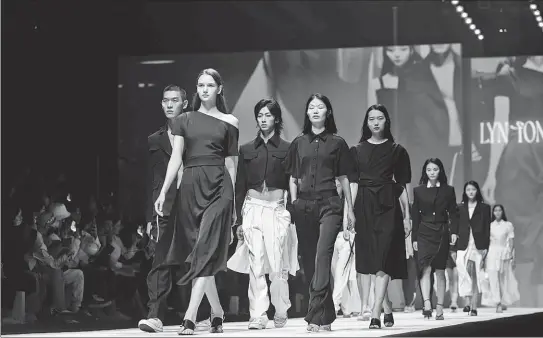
346	296
269	246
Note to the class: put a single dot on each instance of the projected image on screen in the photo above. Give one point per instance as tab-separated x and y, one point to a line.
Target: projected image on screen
420	85
507	113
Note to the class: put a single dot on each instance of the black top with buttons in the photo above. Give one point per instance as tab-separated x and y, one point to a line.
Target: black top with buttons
316	160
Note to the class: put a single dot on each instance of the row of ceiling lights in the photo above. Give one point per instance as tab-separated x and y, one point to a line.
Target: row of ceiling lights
469	21
537	15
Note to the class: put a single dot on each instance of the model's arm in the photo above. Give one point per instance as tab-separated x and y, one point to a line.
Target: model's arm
174	164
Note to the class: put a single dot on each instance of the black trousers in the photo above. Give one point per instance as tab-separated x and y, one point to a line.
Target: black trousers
318	222
160	283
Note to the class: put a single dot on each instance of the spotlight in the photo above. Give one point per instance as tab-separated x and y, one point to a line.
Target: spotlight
536	13
538	19
540	24
464	15
477	31
459	9
481	37
472	27
468	20
454	2
533	7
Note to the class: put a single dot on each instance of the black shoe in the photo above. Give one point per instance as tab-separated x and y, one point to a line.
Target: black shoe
216	325
388	320
473	313
467	309
427	313
187	329
439	316
375	323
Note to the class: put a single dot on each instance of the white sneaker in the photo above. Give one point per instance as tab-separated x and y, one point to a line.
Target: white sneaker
279	321
151	325
203	325
259	323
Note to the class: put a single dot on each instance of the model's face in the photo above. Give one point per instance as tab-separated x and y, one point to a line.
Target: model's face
498	213
441	48
398	54
265	119
207	88
172	104
471	191
316	111
432	170
376	122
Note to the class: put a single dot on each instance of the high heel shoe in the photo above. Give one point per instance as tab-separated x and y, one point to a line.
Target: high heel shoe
467	308
388	320
427	313
473	313
187	328
439	316
216	325
375	323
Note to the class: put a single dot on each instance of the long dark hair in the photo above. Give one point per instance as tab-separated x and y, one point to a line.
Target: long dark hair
478	195
441	177
275	109
220	101
329	123
389	67
366	132
504	217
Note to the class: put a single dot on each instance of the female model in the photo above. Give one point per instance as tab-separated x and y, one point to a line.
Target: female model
199	229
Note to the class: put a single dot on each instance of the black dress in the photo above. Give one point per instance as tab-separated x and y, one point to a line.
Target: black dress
198	230
383	171
435	218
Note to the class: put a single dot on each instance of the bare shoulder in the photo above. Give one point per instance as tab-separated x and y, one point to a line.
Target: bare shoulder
230	119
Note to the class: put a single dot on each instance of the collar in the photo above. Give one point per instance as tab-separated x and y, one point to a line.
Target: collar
312	136
274	140
429	185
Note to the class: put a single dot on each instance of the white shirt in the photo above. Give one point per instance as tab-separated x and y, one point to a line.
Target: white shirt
444	76
429	185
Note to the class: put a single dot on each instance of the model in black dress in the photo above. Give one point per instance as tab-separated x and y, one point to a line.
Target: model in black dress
199	229
379	187
314	161
435	226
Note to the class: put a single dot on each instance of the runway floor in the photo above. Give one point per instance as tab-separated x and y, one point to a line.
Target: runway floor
405	323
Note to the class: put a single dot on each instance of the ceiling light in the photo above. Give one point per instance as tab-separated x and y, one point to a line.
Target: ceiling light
468	20
477	31
540	24
481	37
454	2
156	62
533	7
536	13
472	27
464	15
459	9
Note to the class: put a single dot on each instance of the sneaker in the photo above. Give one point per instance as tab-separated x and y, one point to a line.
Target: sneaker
279	321
259	323
151	325
203	325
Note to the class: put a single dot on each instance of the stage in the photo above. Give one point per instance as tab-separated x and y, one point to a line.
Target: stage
405	324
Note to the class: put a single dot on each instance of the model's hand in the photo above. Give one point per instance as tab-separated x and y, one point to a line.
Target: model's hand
454	238
239	233
407	226
159	204
453	255
415	246
351	219
346	235
231	235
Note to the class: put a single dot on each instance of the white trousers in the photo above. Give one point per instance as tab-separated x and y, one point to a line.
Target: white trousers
269	247
465	278
345	295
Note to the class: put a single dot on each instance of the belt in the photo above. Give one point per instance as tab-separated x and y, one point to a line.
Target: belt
318	195
434	218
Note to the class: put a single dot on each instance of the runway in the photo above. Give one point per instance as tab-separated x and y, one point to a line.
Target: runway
405	323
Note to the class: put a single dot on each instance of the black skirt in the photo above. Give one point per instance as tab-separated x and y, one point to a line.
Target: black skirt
433	245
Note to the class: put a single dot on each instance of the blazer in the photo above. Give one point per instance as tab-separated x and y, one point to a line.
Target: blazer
479	224
160	151
434	206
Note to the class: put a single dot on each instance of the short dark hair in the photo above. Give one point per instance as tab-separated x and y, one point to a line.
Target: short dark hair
275	109
175	88
329	123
